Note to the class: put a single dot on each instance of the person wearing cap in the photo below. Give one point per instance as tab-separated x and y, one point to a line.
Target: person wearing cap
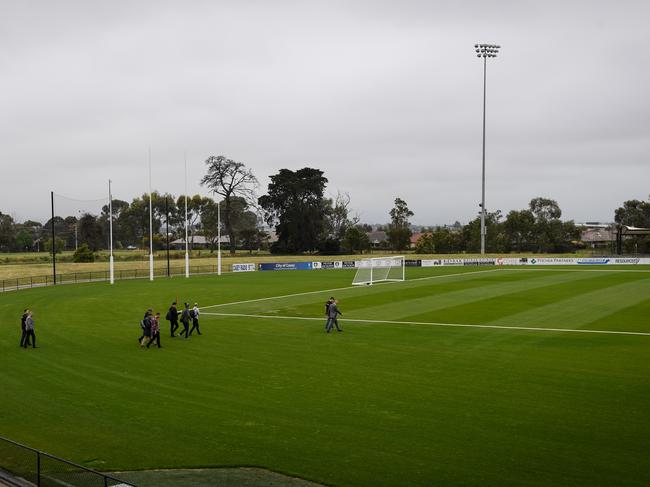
195	319
185	319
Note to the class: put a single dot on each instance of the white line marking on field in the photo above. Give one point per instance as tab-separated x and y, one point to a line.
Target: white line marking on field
427	323
343	288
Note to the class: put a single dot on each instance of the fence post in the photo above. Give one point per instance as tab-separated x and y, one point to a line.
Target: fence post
31	281
105	481
38	468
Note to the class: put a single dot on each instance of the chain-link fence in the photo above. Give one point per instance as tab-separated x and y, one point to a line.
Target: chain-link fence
23	466
97	276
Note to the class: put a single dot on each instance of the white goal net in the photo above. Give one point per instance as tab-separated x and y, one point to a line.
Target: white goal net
379	269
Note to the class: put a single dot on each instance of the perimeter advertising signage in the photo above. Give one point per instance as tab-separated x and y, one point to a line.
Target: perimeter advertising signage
286	266
244	267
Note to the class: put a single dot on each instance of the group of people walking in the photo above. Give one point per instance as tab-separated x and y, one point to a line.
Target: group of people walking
187	315
332	312
27	336
150	324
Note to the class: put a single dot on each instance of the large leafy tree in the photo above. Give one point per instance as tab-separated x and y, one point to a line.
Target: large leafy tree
6	232
399	231
296	207
230	179
90	232
635	213
519	228
356	240
550	233
545	209
471	234
447	240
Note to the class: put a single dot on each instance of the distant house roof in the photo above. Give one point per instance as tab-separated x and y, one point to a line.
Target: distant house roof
416	236
199	240
593	235
377	237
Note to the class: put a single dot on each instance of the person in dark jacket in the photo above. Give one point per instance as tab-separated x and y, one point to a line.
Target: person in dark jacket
29	328
185	319
194	314
147	314
172	317
146	329
333	315
23	334
327	311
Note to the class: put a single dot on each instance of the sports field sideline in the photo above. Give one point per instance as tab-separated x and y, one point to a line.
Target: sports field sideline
457	376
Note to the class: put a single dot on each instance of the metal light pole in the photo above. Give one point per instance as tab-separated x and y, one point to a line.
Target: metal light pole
167	231
484	51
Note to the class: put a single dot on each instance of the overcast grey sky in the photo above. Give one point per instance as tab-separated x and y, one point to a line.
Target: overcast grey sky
385	97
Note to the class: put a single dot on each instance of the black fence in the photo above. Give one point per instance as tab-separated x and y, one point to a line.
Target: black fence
23	466
98	276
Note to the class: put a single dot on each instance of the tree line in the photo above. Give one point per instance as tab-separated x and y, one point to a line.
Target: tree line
303	218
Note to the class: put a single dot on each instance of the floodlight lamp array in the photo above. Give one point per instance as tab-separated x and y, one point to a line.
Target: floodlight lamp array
486	50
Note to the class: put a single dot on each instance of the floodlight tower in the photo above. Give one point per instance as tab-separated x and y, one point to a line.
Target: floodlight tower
484	51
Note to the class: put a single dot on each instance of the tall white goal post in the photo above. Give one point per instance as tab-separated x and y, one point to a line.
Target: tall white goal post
379	269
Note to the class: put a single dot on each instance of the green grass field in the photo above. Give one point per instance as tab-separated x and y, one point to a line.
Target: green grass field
399	398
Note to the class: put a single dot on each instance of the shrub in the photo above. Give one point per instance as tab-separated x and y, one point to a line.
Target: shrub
83	254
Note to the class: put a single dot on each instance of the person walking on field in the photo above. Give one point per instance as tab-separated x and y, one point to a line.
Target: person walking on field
194	314
23	332
333	315
29	328
185	319
155	330
327	311
147	314
146	329
172	317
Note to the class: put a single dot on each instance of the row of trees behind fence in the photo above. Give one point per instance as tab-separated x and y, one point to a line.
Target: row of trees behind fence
296	208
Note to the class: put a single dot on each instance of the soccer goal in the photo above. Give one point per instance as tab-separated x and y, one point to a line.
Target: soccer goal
379	269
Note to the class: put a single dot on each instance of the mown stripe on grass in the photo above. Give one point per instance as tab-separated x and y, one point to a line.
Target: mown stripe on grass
493	308
585	308
406	284
397	307
422	304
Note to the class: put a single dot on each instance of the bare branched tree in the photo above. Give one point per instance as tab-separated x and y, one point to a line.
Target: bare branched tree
230	179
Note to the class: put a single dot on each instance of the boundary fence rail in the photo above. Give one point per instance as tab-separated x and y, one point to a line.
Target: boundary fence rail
23	466
98	276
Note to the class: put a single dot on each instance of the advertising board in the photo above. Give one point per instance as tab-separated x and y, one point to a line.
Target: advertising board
286	266
244	267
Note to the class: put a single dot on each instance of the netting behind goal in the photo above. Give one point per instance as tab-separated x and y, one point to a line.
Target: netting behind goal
379	269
